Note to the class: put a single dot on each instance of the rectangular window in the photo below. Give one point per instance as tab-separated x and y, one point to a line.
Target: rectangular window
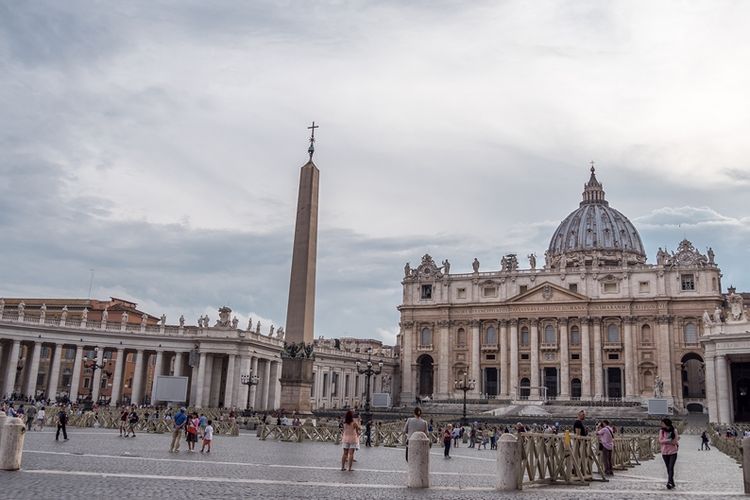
688	281
45	352
461	293
644	287
86	383
524	356
575	356
489	291
426	291
610	287
573	287
335	385
613	356
70	353
523	288
325	385
490	357
346	387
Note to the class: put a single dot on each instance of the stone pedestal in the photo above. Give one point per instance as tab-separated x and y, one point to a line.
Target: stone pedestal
419	461
296	385
508	463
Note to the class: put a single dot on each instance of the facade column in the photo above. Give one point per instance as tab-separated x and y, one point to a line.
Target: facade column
513	382
711	388
3	352
178	364
97	378
75	378
229	385
201	380
215	387
136	394
723	390
629	361
407	344
503	358
475	369
585	360
208	378
243	394
598	366
444	363
116	377
534	359
158	367
254	388
266	383
564	360
10	370
34	370
273	390
664	354
54	376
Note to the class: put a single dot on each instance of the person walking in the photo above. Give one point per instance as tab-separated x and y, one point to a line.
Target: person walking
208	437
606	444
178	425
414	424
670	443
447	438
123	421
349	440
704	441
62	421
132	421
40	416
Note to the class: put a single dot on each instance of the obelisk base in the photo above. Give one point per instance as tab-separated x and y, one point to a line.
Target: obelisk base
296	385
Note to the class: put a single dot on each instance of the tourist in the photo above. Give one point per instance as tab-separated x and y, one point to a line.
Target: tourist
447	438
30	414
132	420
208	437
123	421
520	428
62	421
456	434
191	433
472	436
40	416
178	424
579	428
202	423
349	440
606	443
704	441
670	442
414	424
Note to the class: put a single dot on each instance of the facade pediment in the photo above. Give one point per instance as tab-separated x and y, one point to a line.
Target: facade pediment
548	292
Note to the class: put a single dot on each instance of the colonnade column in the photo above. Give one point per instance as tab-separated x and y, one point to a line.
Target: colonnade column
243	394
513	382
711	391
201	380
266	378
10	370
34	371
273	382
407	341
158	367
116	377
598	366
444	363
2	363
75	378
629	361
534	359
503	357
663	348
229	385
585	360
178	364
54	375
475	371
97	378
723	390
215	386
564	360
254	388
137	388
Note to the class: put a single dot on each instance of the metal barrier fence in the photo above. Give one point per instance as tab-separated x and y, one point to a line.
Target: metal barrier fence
731	446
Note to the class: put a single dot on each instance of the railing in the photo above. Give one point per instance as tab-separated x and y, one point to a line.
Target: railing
731	446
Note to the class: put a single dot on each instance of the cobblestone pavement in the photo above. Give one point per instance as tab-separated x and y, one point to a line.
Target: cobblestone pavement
99	464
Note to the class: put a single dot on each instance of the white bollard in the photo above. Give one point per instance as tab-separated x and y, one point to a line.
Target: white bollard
746	464
419	460
13	432
3	418
508	463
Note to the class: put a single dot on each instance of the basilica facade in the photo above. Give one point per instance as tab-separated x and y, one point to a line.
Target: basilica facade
595	321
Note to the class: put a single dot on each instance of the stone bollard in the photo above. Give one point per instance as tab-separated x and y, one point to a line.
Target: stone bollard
12	433
508	463
746	464
419	460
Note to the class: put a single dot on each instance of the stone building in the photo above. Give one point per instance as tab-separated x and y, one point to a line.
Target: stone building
595	321
48	348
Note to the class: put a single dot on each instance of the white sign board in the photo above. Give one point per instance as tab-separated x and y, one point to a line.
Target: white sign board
172	389
381	400
658	407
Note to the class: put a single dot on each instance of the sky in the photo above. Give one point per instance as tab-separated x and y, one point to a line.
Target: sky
159	143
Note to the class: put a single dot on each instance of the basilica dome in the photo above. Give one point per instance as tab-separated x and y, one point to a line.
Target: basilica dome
595	234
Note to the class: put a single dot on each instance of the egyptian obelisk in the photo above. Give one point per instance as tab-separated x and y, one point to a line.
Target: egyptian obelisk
297	373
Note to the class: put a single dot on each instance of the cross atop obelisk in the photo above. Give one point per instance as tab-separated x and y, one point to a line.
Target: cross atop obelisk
311	149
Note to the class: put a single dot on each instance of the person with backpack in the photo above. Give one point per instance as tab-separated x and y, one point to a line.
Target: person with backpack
606	444
62	421
704	441
132	420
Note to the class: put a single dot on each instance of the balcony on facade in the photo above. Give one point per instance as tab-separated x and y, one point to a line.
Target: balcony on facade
424	347
489	347
545	346
613	346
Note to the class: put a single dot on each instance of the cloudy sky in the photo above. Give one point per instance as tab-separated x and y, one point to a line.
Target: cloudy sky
159	143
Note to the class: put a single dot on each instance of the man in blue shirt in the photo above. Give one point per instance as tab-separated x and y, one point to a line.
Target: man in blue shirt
178	424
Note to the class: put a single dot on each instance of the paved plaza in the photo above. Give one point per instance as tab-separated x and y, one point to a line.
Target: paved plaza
99	464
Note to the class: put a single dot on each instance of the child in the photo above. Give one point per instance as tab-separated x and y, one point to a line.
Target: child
208	436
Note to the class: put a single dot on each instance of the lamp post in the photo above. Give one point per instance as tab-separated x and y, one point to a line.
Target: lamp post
465	384
249	380
91	363
368	372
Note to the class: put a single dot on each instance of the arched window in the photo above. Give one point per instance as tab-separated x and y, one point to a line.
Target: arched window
425	337
690	331
575	388
613	334
575	335
550	337
525	340
646	337
525	388
461	337
490	336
